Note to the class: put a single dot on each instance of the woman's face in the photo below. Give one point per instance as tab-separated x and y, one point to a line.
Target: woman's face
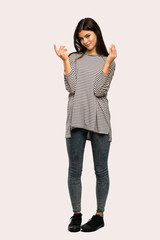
88	39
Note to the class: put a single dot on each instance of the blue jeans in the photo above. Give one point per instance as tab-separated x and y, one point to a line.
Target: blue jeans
100	150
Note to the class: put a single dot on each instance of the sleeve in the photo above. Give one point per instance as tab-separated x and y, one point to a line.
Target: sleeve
70	78
103	81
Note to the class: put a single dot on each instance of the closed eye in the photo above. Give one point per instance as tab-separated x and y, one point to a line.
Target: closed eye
86	37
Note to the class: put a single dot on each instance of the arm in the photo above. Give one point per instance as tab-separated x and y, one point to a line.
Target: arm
106	67
67	66
103	79
70	74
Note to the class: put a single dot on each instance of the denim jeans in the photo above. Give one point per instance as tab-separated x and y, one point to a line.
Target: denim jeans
100	150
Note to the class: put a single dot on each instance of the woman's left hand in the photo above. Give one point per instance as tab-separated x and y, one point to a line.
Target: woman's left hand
112	54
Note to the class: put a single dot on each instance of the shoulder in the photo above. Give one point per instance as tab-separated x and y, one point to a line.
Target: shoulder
73	55
113	63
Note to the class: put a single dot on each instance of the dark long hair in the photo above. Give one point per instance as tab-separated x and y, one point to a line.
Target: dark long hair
91	25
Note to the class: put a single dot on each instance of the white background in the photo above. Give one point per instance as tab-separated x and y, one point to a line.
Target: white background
34	201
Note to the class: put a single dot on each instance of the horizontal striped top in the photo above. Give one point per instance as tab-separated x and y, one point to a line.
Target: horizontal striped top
88	85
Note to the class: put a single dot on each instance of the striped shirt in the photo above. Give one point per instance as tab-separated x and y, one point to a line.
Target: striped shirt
88	85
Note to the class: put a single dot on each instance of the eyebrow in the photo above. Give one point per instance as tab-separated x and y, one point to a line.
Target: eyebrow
85	35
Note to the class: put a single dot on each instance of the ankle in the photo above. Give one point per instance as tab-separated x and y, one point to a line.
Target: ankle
100	214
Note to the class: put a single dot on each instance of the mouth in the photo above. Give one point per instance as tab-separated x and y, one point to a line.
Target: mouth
87	45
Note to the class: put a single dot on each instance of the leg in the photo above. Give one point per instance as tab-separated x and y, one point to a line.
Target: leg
75	148
100	149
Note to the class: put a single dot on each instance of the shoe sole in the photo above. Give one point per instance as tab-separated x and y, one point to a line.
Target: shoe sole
73	230
91	230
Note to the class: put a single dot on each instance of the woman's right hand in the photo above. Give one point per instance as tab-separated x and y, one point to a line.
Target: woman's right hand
61	52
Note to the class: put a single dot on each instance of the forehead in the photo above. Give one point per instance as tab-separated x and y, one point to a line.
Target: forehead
84	32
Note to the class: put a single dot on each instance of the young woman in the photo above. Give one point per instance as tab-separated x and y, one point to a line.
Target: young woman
87	76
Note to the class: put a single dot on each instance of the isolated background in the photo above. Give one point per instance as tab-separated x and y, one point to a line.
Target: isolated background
34	201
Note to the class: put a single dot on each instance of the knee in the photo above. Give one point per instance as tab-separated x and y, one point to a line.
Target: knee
101	173
75	172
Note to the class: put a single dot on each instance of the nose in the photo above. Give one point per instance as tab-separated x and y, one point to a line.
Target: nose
85	41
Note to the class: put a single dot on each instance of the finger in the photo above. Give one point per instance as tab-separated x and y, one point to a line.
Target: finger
114	48
61	49
65	50
55	49
112	45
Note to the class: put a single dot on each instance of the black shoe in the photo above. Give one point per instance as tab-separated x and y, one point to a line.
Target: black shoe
93	224
75	223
